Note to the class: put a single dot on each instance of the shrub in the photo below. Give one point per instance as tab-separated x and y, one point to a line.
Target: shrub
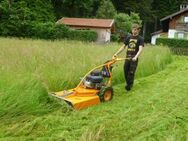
44	30
61	31
176	43
47	30
123	23
53	31
106	10
114	37
83	35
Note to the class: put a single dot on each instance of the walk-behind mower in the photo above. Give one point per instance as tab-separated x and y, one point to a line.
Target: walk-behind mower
95	87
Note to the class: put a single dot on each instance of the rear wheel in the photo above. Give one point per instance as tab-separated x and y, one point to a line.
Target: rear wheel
106	94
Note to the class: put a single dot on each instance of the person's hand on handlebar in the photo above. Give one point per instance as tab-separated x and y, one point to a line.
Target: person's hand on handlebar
114	56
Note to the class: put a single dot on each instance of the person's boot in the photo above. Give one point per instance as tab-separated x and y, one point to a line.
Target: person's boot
128	88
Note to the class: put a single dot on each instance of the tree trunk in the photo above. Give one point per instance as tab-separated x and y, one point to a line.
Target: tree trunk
156	26
144	30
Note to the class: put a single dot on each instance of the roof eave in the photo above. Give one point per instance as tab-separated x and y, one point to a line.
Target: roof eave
77	25
173	15
88	26
112	23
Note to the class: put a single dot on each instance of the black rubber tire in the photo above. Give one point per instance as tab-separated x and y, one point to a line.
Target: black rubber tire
106	94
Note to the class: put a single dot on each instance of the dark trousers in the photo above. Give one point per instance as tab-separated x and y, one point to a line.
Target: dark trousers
129	71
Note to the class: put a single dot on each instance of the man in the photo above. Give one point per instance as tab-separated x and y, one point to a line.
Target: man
134	44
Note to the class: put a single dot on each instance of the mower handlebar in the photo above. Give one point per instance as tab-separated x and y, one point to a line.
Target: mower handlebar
113	60
108	64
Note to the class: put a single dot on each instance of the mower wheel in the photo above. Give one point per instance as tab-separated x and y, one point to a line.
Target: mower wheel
106	94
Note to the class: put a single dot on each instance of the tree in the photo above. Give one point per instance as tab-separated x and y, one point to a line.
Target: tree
74	8
16	15
164	8
143	7
124	21
106	10
135	18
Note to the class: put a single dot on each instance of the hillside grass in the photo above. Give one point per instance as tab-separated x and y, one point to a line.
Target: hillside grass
155	109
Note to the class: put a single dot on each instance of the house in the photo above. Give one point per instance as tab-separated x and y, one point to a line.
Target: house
174	25
103	27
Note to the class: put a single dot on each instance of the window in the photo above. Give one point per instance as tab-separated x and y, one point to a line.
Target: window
180	35
186	19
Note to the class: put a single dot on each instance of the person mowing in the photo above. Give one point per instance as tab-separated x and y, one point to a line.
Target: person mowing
134	44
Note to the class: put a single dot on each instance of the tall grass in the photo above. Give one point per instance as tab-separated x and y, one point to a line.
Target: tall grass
29	69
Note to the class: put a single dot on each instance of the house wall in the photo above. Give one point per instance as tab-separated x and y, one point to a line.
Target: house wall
181	34
103	35
173	22
173	30
177	34
153	39
171	33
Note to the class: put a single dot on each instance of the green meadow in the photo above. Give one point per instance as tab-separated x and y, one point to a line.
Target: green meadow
156	108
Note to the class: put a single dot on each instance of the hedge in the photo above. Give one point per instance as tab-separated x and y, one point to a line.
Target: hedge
115	38
83	35
47	30
175	43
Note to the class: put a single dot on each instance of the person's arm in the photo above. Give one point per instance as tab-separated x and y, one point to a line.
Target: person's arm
138	53
141	45
119	51
123	47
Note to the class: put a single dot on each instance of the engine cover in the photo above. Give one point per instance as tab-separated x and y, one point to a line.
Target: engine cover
93	81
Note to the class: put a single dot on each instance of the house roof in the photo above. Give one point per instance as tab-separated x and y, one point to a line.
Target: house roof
174	14
83	22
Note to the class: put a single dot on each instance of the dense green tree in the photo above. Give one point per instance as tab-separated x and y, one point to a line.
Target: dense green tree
39	10
143	7
17	15
75	8
124	22
106	10
164	8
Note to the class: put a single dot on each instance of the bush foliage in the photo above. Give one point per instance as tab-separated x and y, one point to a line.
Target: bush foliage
124	22
175	43
49	30
82	35
36	19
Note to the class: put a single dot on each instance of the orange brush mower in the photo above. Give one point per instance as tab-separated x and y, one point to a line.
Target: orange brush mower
95	87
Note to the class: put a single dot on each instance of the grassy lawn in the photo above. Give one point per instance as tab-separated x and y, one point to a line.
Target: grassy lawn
156	108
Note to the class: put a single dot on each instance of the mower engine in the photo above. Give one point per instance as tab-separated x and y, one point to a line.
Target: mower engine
95	79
